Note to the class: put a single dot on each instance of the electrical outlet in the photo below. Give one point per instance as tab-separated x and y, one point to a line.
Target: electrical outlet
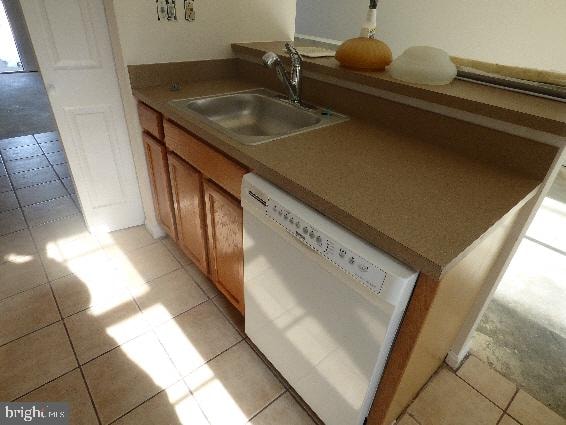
161	10
190	13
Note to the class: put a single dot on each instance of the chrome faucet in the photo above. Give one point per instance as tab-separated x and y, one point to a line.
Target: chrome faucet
291	82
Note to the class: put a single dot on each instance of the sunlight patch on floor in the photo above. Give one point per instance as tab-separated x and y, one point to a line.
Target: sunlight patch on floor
535	285
105	269
549	225
18	259
210	390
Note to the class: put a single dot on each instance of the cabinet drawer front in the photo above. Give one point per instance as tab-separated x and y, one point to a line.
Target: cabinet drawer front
158	169
222	170
151	121
225	243
188	200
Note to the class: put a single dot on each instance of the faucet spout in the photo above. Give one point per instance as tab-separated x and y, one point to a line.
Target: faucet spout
291	82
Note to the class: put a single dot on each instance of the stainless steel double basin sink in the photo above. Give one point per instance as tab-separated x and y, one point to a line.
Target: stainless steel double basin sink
256	116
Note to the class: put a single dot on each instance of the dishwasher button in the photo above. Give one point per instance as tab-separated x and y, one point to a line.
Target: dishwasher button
352	260
311	234
363	267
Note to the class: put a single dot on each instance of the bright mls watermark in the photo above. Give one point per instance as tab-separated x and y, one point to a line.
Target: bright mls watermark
34	413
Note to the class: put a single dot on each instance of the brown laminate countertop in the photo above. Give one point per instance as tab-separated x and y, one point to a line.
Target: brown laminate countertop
521	109
424	204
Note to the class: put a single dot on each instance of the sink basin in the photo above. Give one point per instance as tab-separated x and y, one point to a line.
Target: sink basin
256	116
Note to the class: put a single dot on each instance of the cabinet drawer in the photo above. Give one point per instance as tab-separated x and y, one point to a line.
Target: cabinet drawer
217	167
151	121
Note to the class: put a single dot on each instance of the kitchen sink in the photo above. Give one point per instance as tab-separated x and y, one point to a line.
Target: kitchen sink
256	116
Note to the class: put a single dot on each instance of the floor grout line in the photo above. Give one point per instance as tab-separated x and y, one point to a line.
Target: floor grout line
287	387
146	331
58	307
412	417
45	383
477	391
255	415
76	357
155	334
182	377
31	332
151	398
517	389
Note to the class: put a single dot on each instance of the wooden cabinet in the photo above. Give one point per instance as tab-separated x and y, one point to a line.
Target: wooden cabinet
225	235
151	121
196	191
157	165
186	183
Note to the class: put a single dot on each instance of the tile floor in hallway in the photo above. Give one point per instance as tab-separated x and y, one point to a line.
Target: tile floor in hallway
35	182
127	330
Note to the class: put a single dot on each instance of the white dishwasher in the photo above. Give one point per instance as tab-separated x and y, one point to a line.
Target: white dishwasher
322	305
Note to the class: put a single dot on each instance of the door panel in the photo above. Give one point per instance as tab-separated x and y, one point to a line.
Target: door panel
225	242
186	185
64	17
95	142
75	57
158	168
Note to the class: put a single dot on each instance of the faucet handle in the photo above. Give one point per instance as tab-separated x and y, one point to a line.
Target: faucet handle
296	57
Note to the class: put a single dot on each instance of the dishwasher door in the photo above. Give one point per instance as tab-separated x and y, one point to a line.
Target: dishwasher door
325	332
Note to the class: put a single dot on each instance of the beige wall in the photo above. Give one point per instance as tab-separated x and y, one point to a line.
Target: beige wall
137	38
218	23
513	32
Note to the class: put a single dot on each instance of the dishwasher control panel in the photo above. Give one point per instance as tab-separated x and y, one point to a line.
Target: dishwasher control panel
367	273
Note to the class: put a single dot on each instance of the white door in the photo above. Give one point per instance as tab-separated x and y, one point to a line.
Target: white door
75	57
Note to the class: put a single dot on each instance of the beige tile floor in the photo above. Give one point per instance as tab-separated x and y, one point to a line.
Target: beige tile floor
128	331
528	352
476	395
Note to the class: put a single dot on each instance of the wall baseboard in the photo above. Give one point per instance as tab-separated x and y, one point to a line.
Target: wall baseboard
155	230
454	359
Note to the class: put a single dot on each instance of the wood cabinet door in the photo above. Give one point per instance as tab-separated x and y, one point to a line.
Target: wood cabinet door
225	242
186	183
158	168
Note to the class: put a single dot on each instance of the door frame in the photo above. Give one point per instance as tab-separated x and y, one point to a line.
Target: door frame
132	122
